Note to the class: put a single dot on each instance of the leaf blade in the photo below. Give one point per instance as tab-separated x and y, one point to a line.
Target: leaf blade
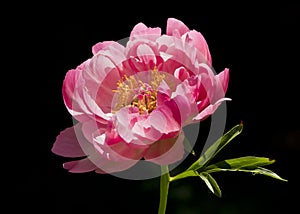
246	162
216	147
211	183
250	164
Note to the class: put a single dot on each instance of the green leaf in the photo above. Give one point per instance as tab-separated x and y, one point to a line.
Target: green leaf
267	172
249	164
216	147
184	174
211	183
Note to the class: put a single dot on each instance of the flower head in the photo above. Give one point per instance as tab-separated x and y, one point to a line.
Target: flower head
132	101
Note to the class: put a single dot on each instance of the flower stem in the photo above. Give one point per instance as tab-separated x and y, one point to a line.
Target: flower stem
164	189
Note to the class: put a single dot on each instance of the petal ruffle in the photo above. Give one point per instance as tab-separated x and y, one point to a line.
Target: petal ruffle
80	166
196	39
101	45
72	143
176	27
140	30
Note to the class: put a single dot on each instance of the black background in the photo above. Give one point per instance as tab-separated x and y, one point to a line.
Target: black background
259	44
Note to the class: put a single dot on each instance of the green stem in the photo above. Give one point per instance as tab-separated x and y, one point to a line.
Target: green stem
164	189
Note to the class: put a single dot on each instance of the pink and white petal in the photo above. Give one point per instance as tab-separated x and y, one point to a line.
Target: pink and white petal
144	133
163	93
100	45
162	119
115	52
70	143
114	158
95	108
140	30
164	42
68	88
181	73
166	151
92	128
119	151
98	163
97	69
210	109
72	101
80	166
106	91
197	40
180	58
146	54
175	26
186	109
124	124
223	77
142	55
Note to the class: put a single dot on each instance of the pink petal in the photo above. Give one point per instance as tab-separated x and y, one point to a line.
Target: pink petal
142	31
163	93
145	134
166	151
146	54
197	40
100	163
124	117
119	151
69	86
92	128
181	73
184	108
224	78
71	143
142	55
162	119
71	99
80	166
100	45
185	97
100	79
134	128
209	110
138	28
175	25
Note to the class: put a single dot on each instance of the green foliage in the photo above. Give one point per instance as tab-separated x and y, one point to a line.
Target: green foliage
203	169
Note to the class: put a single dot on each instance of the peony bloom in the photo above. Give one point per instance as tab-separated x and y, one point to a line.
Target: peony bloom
131	102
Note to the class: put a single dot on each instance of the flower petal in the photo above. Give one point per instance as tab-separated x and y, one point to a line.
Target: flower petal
210	109
142	31
197	40
181	73
166	151
72	101
72	143
175	26
162	119
101	45
146	54
118	151
224	78
80	166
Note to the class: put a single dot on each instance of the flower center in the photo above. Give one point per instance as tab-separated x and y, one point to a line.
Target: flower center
138	91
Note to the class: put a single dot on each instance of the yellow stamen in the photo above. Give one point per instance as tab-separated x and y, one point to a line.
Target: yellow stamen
136	93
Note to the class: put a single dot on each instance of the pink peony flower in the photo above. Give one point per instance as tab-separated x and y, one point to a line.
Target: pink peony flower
131	102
